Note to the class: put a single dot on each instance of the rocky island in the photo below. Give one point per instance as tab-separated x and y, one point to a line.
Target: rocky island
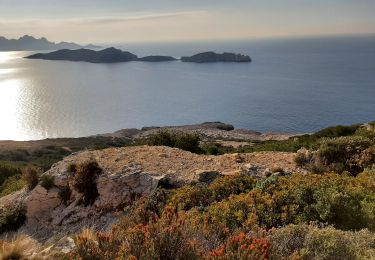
206	57
112	55
109	55
157	58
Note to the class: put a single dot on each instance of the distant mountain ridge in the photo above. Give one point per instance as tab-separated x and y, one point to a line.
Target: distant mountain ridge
29	43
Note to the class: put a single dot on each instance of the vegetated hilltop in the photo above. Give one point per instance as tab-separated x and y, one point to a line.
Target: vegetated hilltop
111	55
180	193
29	43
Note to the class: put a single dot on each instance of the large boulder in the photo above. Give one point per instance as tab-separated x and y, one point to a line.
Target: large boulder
40	203
119	189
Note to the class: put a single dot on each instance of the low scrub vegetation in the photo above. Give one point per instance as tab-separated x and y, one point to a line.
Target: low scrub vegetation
350	154
12	217
240	218
47	181
31	177
84	178
312	242
184	141
20	247
10	178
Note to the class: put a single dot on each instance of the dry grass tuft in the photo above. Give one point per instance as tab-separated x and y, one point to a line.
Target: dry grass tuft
21	247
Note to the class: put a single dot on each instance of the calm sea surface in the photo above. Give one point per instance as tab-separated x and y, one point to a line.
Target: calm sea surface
292	85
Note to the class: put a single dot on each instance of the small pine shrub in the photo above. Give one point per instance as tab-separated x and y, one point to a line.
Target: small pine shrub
30	176
84	181
12	217
64	194
47	181
8	170
183	141
72	167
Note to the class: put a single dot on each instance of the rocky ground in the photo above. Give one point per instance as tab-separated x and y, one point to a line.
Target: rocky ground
128	171
211	131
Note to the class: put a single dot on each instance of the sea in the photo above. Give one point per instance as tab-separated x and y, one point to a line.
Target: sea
292	85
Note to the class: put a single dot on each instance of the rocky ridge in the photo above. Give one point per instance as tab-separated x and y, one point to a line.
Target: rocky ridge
129	172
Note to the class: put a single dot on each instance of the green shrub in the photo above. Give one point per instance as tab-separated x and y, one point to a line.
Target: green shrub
183	141
8	170
346	202
312	242
337	131
301	159
84	181
211	148
10	178
30	175
12	184
72	167
12	217
64	194
47	181
343	154
188	197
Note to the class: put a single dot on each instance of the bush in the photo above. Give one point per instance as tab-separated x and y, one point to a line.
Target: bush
242	247
312	242
64	194
337	131
21	247
12	184
167	238
47	181
183	141
343	201
343	154
188	197
84	181
302	159
30	175
72	167
12	217
8	170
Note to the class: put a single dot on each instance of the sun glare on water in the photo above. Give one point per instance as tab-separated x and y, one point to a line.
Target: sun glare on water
6	56
10	92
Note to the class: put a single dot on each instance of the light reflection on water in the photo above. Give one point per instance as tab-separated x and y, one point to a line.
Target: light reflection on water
290	87
11	120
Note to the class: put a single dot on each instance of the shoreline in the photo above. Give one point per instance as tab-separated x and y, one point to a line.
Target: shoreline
209	131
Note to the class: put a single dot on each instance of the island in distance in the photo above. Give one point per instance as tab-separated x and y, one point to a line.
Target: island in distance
29	43
112	55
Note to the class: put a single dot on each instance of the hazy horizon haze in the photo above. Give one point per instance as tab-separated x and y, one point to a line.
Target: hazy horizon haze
113	21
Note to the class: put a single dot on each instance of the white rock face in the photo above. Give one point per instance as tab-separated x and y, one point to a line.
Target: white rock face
40	204
116	190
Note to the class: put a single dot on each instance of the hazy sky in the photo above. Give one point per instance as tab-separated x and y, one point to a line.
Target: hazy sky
105	21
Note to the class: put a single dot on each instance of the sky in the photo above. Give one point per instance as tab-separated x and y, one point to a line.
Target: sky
121	21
